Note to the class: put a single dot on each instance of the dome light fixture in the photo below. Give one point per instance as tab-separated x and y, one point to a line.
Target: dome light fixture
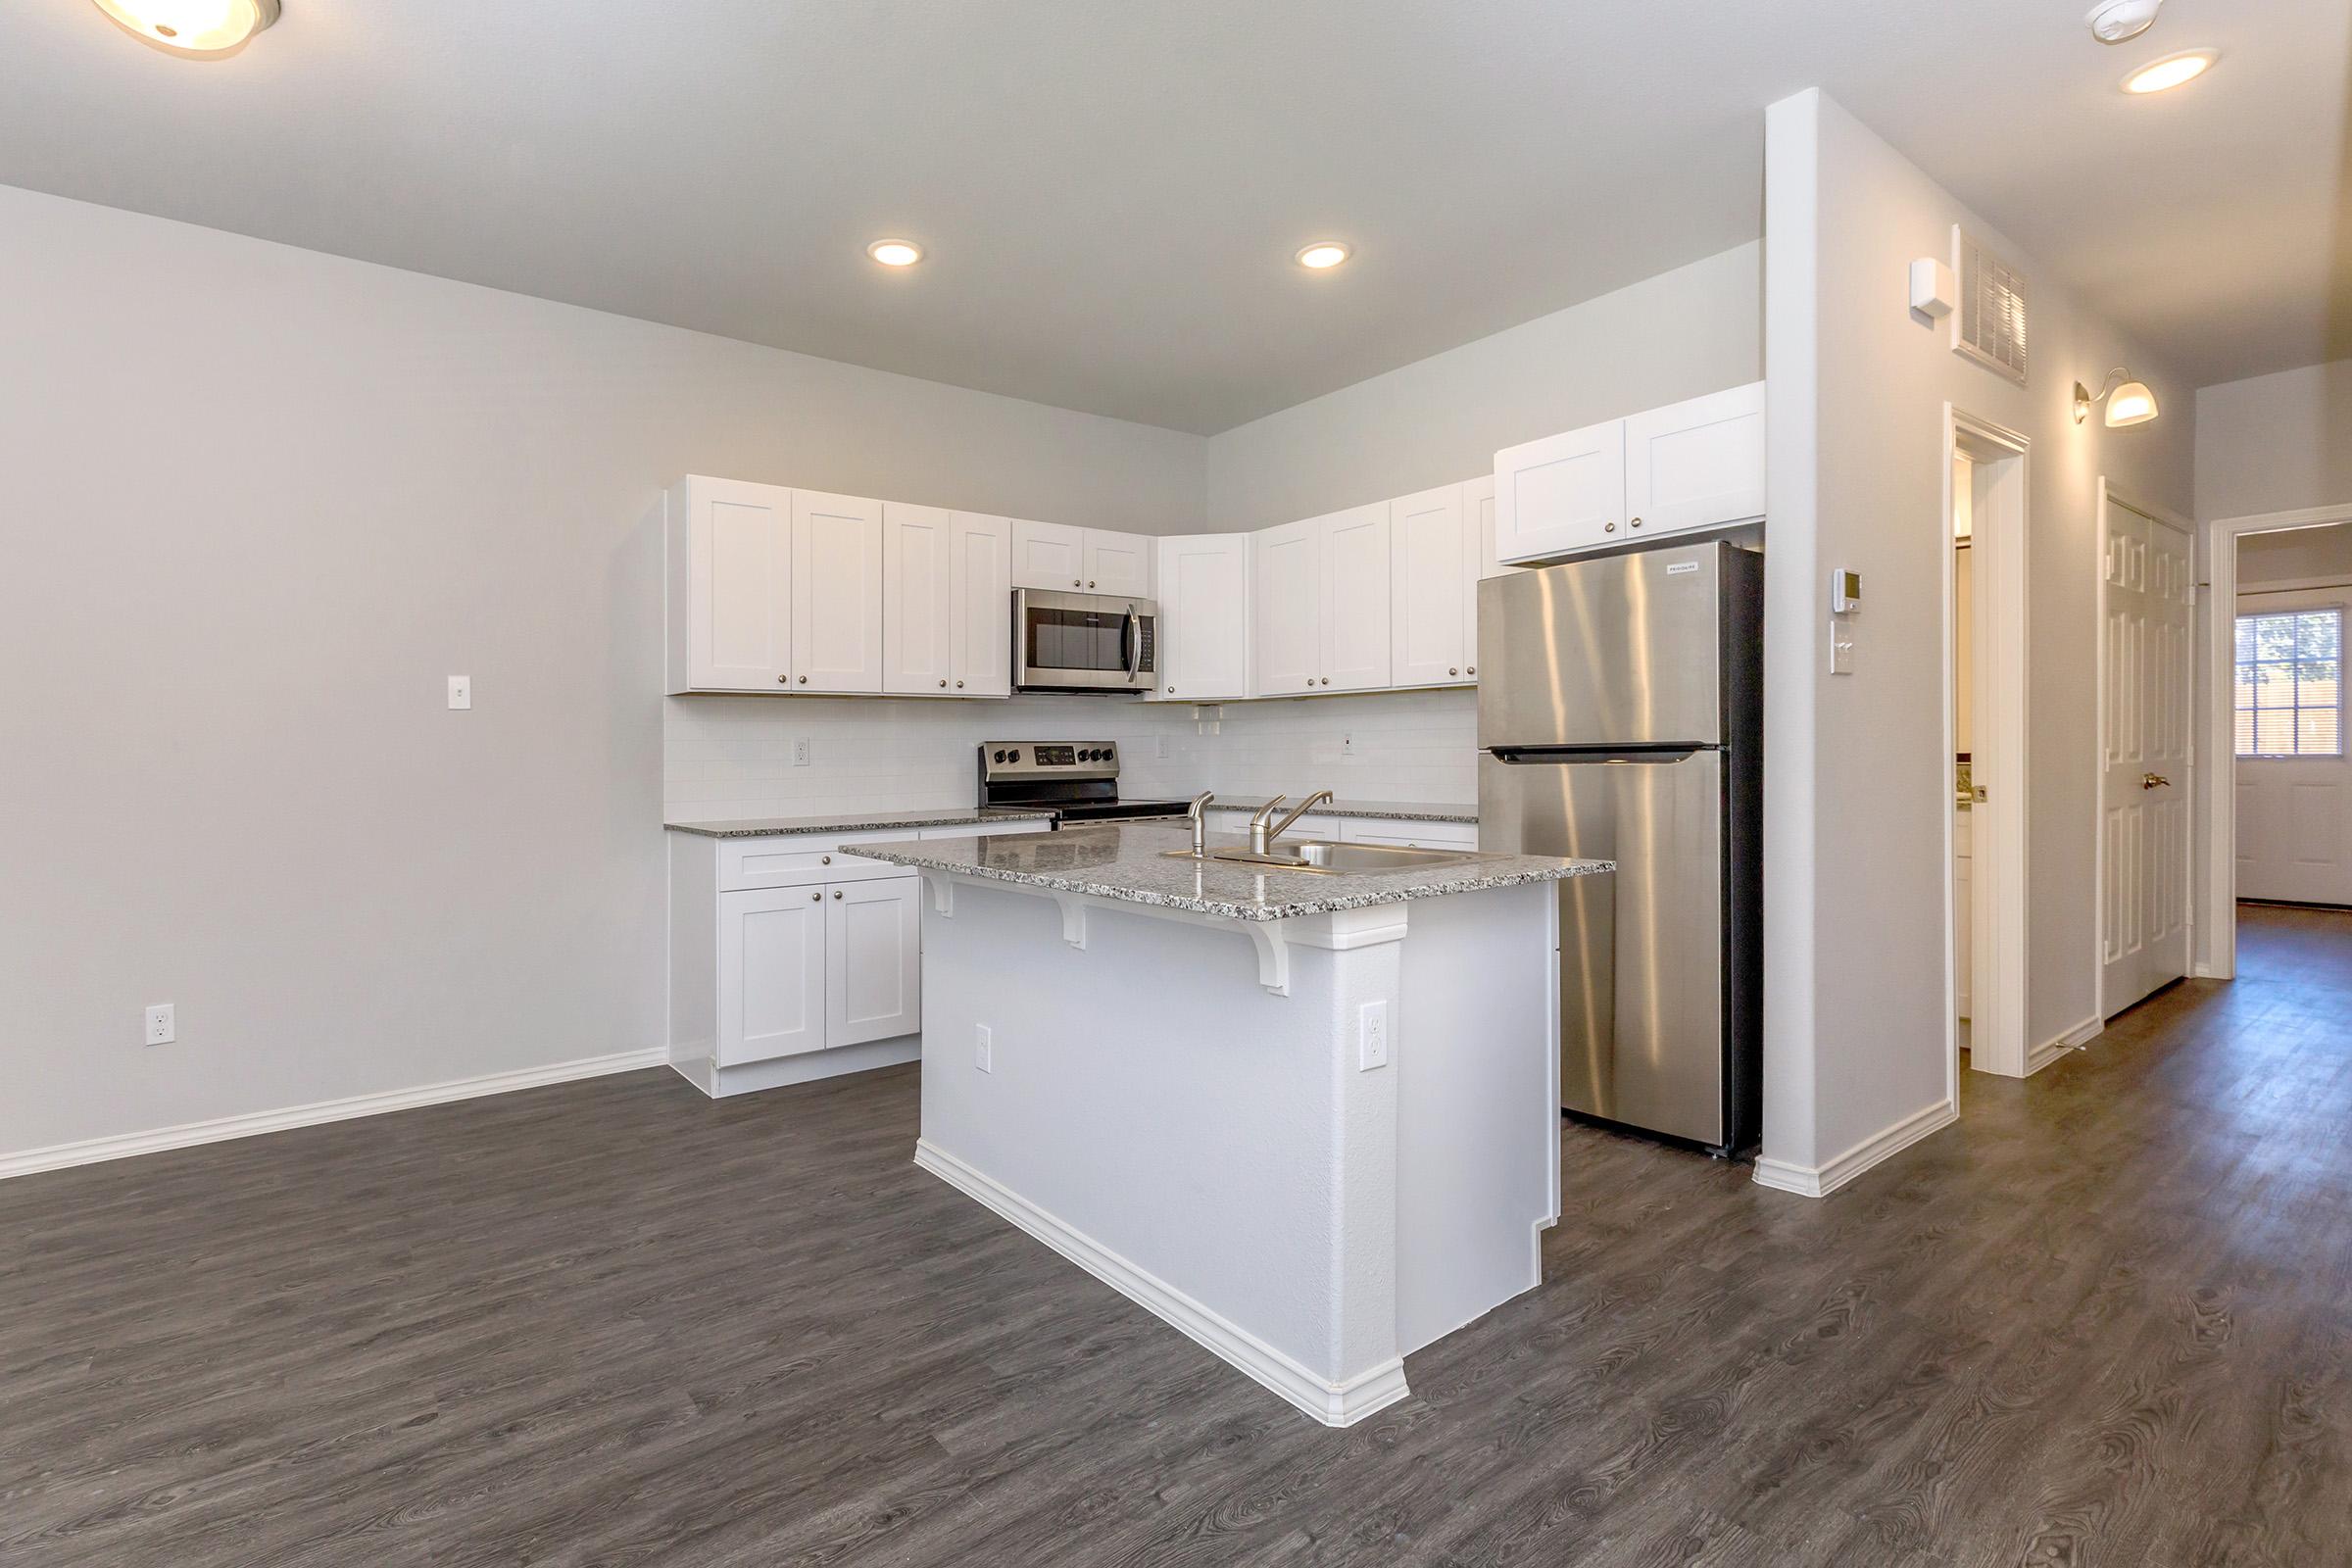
2170	71
2129	402
193	28
1323	254
894	252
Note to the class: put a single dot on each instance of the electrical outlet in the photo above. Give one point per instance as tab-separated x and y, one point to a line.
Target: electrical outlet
1347	744
799	752
460	693
1372	1035
1160	745
161	1029
983	1047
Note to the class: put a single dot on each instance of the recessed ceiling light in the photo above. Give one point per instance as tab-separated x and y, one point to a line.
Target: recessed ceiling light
192	26
894	252
2170	71
1323	254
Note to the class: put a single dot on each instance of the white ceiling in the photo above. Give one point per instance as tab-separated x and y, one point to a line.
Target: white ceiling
1111	190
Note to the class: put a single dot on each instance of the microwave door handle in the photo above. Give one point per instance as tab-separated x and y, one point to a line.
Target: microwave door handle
1134	645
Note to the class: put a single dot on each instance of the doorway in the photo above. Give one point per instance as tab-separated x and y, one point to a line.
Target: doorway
1983	766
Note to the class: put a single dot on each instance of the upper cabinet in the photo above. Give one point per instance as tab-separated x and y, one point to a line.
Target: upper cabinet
836	593
1356	613
1433	588
1056	556
731	586
1695	465
981	586
947	602
1203	618
1319	610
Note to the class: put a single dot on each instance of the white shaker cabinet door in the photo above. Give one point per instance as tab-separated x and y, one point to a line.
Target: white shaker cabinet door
730	572
1286	608
836	593
1048	555
918	598
771	973
1432	590
1356	612
1561	494
873	960
1695	465
1118	564
982	632
1204	598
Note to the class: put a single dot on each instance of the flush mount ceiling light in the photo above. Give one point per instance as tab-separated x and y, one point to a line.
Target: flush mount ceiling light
2170	71
2116	20
894	252
2128	402
192	26
1323	254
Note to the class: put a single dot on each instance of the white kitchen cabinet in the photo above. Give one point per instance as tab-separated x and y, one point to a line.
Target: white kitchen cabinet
1356	611
771	973
1433	566
1204	603
1561	494
1695	465
836	593
1118	563
981	586
1048	555
731	586
947	608
1286	609
873	960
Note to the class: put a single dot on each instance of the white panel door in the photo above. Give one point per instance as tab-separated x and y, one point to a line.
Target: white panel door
1356	612
1203	601
918	598
2145	657
982	591
2294	813
771	973
739	566
836	593
1117	562
1695	465
1432	561
1048	555
1286	609
1560	494
874	960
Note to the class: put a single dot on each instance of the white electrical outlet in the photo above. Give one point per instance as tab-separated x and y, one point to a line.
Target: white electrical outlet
161	1029
799	752
1160	746
1347	744
461	692
983	1047
1372	1035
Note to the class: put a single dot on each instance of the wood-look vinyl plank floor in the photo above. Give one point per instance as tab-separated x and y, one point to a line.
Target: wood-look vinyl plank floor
2105	1320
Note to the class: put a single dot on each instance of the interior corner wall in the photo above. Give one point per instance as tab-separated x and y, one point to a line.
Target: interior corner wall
2275	443
1694	329
262	503
1859	789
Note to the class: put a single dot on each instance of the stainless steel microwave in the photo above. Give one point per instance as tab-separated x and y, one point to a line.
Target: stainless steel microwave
1083	642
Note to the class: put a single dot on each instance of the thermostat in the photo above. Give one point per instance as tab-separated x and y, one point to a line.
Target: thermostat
1845	592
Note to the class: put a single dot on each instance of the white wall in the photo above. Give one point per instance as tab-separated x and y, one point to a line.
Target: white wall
2275	443
1858	788
1682	333
262	503
2296	557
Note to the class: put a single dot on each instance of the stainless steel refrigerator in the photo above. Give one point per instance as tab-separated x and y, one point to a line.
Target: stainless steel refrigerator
1620	716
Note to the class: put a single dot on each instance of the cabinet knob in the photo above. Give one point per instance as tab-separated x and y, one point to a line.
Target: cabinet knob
1075	583
1453	670
824	859
960	685
1473	669
1608	527
783	680
943	685
1171	691
1090	582
803	680
837	893
1636	522
1327	680
818	897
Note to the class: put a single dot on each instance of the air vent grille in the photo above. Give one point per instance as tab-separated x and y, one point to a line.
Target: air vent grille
1989	326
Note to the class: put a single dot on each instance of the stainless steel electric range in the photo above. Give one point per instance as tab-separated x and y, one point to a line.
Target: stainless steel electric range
1078	781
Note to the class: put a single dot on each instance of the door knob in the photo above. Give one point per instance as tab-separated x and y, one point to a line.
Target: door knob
2153	781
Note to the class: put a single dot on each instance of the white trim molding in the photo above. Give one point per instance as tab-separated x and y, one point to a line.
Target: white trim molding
2073	1039
1820	1181
1335	1404
90	1152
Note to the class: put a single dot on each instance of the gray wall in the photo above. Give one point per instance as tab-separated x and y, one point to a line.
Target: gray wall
2297	555
1694	330
262	502
2275	443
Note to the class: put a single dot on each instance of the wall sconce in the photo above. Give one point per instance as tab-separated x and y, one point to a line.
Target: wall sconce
2128	402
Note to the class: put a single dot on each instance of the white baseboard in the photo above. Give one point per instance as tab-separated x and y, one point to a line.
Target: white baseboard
90	1152
2050	1050
1335	1404
1819	1181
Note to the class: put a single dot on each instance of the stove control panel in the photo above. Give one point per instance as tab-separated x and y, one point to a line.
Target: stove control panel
1004	760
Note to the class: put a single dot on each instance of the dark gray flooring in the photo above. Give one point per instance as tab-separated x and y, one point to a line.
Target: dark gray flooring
2104	1320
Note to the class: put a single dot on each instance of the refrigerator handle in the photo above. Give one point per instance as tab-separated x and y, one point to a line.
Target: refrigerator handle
1553	756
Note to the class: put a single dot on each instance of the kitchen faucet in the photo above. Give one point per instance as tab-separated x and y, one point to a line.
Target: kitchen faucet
1261	835
1199	812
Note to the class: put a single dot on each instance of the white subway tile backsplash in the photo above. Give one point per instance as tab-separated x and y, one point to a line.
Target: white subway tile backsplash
725	756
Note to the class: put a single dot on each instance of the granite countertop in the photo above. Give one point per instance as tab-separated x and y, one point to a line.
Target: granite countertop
751	827
1391	810
1129	863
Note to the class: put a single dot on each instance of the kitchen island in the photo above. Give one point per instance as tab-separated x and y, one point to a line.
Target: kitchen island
1309	1118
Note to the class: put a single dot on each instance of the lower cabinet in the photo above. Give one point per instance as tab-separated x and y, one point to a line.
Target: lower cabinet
809	968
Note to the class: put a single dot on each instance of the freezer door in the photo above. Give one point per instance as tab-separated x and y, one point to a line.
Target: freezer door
1642	953
1621	651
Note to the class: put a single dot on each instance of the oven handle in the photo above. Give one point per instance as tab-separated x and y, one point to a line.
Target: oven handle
1134	645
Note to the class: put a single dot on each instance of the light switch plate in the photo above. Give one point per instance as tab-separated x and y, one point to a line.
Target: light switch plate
983	1047
1841	647
460	693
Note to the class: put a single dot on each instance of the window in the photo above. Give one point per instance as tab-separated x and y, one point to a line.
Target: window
2290	700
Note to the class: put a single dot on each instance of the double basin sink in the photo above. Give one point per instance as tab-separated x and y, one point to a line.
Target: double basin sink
1332	859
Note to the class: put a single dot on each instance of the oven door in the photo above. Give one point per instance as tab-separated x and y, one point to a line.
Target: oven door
1083	642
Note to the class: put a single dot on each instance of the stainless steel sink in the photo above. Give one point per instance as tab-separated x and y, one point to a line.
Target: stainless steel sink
1332	859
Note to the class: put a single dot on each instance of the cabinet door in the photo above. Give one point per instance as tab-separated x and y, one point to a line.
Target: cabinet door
1697	464
1204	616
1048	555
771	973
918	598
836	593
1118	563
1431	554
874	960
731	565
1561	494
1286	608
982	652
1356	613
